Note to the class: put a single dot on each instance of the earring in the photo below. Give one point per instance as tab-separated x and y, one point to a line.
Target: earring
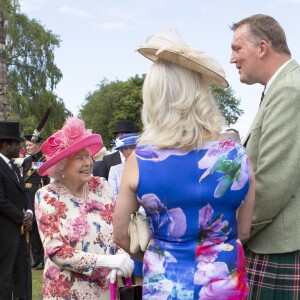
63	175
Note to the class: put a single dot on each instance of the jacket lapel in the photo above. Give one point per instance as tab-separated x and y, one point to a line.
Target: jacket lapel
9	173
287	69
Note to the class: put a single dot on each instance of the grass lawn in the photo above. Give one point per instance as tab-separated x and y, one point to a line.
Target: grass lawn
37	276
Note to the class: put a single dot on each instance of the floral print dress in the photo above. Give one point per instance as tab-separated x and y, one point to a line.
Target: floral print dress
73	231
191	199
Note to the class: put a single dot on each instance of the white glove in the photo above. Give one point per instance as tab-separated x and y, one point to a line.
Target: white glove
114	274
120	262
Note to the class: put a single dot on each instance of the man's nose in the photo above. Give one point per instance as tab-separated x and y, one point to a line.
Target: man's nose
232	58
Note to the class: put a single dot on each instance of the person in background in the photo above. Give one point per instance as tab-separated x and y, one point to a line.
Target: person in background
261	55
16	212
32	182
122	127
74	215
196	186
126	144
19	160
233	134
98	160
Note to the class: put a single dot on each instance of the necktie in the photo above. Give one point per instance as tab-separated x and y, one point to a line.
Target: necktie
12	167
262	97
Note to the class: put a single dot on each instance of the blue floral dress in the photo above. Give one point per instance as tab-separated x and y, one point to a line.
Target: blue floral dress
191	199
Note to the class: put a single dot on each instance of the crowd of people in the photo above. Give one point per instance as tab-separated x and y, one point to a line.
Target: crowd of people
223	212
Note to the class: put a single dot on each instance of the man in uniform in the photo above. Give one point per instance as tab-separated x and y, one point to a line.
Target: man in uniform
32	182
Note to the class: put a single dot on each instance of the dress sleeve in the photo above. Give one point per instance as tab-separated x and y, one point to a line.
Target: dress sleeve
113	181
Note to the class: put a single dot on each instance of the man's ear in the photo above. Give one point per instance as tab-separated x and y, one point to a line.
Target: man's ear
263	47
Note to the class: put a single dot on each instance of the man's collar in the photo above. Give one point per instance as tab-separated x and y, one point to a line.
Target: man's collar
275	75
4	158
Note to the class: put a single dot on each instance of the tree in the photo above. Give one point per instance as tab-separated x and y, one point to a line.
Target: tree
118	100
32	74
227	103
113	101
3	70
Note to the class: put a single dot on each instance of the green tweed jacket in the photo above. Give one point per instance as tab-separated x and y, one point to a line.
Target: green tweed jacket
274	152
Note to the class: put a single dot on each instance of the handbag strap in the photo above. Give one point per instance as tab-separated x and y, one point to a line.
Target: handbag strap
128	281
113	290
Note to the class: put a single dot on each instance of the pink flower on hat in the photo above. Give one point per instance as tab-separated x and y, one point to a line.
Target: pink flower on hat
72	138
72	131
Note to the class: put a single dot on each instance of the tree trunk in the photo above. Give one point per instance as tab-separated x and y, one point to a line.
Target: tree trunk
3	71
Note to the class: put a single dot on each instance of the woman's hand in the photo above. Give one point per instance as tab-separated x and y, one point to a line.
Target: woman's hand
121	264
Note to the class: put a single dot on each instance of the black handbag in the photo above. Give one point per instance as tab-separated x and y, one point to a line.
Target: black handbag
133	292
130	291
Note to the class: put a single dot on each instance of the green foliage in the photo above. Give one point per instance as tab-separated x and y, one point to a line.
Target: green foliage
227	103
118	100
31	72
111	102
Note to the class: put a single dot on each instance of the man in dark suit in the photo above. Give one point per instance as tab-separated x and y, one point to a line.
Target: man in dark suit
32	182
122	127
15	219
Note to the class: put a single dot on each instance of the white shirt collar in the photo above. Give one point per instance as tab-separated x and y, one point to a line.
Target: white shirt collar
122	156
275	75
7	160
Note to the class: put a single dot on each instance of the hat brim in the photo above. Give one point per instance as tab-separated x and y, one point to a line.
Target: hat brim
186	62
28	137
13	139
120	147
93	142
122	131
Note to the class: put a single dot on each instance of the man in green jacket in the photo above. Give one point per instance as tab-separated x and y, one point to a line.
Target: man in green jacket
261	55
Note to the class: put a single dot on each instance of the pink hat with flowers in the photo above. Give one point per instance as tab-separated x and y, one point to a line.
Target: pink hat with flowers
72	138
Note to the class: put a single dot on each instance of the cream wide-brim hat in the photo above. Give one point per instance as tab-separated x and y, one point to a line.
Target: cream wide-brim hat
168	45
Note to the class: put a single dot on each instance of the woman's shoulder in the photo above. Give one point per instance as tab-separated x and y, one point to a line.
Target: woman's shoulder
53	189
153	153
223	145
96	181
49	187
148	153
99	185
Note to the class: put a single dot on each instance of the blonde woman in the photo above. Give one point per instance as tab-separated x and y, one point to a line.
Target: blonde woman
196	186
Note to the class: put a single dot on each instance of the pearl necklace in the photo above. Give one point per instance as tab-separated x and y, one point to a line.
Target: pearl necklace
84	193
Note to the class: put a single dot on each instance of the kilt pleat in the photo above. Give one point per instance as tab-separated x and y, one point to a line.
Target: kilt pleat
273	276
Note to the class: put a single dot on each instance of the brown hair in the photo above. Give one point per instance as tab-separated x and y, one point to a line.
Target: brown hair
263	27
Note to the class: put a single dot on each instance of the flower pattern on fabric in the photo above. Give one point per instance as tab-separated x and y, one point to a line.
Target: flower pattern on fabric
171	223
74	231
231	162
212	235
195	252
214	277
156	155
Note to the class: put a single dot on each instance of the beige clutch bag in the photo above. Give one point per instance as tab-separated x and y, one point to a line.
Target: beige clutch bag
139	232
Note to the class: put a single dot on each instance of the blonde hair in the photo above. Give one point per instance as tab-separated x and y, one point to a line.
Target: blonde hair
178	108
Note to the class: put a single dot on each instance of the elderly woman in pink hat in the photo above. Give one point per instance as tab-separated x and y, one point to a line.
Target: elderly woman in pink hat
74	214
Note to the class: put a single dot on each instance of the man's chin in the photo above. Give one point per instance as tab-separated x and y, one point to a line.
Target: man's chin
244	80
